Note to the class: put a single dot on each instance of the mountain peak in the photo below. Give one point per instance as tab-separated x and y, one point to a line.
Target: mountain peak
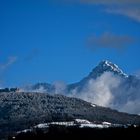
114	67
107	66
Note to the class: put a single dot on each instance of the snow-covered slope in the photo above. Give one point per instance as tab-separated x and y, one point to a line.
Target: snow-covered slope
81	123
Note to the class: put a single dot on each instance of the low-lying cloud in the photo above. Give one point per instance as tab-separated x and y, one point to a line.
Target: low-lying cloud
59	87
108	91
99	91
109	40
131	107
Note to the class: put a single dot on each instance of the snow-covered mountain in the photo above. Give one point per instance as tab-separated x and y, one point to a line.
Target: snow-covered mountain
106	85
106	66
103	67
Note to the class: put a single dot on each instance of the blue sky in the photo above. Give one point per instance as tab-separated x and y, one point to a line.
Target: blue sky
61	40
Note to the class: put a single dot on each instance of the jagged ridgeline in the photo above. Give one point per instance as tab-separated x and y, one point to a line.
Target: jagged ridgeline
19	110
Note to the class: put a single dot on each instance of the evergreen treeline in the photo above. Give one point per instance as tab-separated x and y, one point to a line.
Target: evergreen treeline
20	110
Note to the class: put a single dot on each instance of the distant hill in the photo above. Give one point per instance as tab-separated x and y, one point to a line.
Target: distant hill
19	110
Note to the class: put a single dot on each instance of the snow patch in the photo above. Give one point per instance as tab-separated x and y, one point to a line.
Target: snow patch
94	126
45	125
86	123
63	123
106	123
115	68
93	105
81	121
24	131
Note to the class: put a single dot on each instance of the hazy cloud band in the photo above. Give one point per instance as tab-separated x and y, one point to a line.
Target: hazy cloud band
108	40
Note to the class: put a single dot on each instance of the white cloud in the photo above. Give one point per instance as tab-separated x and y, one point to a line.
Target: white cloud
99	91
59	87
105	2
11	60
108	91
137	73
132	107
109	40
129	8
110	2
133	13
